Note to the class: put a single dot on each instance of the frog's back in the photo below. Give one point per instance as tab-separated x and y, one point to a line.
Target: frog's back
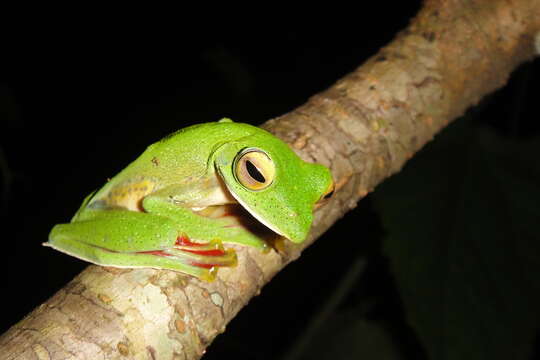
181	156
187	150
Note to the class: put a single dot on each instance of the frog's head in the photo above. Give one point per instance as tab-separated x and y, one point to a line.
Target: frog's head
272	183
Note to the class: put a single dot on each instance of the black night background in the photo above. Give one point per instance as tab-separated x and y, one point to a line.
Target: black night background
457	228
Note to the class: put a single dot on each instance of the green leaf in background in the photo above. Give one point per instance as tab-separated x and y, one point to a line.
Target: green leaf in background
462	222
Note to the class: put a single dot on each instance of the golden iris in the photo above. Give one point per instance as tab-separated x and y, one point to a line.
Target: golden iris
254	169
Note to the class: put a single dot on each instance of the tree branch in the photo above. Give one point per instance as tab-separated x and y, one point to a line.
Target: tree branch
365	128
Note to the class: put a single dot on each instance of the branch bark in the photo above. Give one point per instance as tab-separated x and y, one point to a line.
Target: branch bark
365	128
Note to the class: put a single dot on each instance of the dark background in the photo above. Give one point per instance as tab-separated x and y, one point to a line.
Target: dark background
440	262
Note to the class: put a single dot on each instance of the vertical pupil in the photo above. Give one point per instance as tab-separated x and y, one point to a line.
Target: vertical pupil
254	172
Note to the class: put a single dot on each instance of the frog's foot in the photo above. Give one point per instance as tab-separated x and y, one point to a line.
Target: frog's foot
206	255
198	259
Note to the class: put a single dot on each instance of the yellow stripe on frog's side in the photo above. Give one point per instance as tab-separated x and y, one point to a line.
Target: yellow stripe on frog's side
129	195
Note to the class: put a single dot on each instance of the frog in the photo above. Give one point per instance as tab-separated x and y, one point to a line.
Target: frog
189	198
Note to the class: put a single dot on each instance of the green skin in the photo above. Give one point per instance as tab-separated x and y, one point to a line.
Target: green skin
173	206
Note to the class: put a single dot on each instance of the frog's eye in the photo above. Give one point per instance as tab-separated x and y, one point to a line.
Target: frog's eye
254	169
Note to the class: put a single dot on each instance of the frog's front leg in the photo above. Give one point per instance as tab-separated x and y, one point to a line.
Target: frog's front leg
227	223
122	238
